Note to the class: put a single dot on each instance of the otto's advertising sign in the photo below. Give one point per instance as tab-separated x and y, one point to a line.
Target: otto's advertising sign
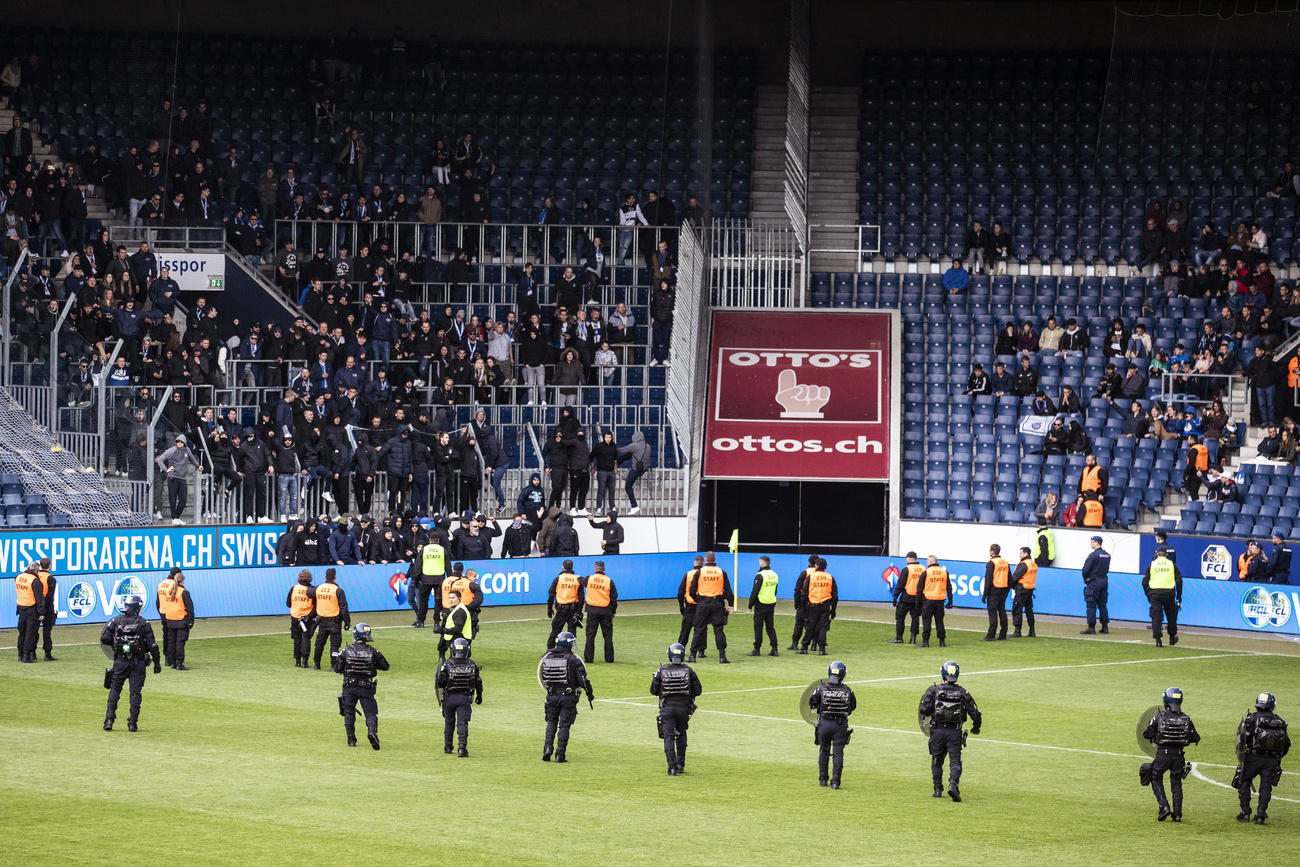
799	395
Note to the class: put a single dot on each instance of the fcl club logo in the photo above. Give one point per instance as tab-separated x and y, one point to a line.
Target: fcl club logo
1262	609
1216	563
128	586
81	599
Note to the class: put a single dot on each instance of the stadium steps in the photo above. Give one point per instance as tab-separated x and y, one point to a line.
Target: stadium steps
833	174
96	209
767	204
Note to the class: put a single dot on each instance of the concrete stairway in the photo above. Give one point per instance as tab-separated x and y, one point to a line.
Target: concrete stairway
767	180
833	175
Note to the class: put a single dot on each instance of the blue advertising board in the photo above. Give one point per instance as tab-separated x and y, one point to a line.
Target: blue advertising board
225	592
84	551
1210	557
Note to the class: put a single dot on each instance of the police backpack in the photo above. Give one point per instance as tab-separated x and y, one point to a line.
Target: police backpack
555	671
128	642
835	700
1269	736
674	681
949	706
1173	730
460	675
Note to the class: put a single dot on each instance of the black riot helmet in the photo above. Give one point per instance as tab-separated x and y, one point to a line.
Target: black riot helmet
1173	698
132	605
836	671
361	632
460	649
950	671
676	652
1265	702
565	640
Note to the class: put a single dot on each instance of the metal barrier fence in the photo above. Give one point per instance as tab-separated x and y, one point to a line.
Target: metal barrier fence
208	238
866	235
755	265
1200	388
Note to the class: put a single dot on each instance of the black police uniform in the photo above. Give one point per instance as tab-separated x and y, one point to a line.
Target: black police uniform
564	676
1262	741
49	614
359	663
677	686
948	706
133	642
565	616
687	610
833	703
1170	731
800	606
460	683
331	628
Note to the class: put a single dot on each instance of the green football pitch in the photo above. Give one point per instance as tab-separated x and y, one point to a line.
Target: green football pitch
244	758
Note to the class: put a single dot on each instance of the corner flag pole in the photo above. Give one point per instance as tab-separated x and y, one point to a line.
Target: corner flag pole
734	547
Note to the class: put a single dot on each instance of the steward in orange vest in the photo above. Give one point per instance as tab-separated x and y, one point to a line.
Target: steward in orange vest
686	605
936	590
907	589
997	582
1198	462
602	605
332	616
30	598
177	611
564	603
823	600
1022	604
711	589
301	603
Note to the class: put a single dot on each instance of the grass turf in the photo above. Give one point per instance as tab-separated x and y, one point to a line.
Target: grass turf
243	758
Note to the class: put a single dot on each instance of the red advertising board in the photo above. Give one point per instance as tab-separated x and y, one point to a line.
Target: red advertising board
799	395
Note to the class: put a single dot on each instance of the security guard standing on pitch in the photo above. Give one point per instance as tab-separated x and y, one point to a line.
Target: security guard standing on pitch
30	604
823	597
907	599
1096	587
677	686
1163	585
458	623
564	603
49	611
997	582
801	603
1170	730
937	591
947	706
471	593
131	638
602	605
177	610
1024	579
762	601
457	680
564	676
301	603
1262	742
833	701
332	616
686	605
711	588
428	569
359	663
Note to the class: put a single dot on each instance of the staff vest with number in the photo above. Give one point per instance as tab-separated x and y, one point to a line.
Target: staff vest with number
598	586
1091	479
1093	513
820	585
767	589
327	600
300	603
710	582
433	560
171	603
936	583
914	573
448	585
1031	574
566	588
1162	575
1001	573
23	583
465	586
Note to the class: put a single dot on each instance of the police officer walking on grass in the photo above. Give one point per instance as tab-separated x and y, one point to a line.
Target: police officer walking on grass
332	616
131	638
457	681
762	601
1163	586
1170	730
564	676
997	582
1262	742
947	706
360	663
907	599
677	686
564	603
833	701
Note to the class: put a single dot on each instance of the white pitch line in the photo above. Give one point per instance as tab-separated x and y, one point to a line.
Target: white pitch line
1196	773
1224	654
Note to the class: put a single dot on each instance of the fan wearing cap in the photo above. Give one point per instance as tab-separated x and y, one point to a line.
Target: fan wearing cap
175	464
1096	582
1279	560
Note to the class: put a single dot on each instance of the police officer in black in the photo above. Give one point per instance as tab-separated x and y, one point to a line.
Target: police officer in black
677	686
1262	741
131	638
834	701
457	680
1170	730
801	603
359	663
947	706
686	605
564	676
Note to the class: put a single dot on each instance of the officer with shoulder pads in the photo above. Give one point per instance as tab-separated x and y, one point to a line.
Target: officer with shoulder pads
833	701
677	686
457	680
564	676
564	603
131	638
762	601
947	706
907	599
1262	742
359	663
1170	730
1096	587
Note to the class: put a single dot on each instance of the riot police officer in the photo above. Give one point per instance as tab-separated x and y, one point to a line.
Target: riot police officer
564	676
131	638
1262	741
677	686
359	663
1170	730
332	616
457	680
1096	587
947	706
564	603
834	701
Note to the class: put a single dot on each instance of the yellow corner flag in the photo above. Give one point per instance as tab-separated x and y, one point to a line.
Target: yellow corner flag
734	545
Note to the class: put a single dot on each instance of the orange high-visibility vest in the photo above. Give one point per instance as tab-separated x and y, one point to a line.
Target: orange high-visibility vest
936	583
598	590
820	585
1031	574
327	600
448	585
1001	573
711	582
464	585
24	583
1242	563
1092	514
1091	479
914	573
171	605
566	588
690	600
1202	457
300	603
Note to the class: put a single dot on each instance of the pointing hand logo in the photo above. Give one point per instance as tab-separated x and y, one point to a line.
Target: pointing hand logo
800	401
